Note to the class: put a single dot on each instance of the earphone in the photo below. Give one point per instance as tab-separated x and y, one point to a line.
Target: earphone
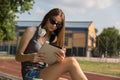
41	32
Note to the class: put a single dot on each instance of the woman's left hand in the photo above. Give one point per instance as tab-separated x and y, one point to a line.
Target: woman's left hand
60	54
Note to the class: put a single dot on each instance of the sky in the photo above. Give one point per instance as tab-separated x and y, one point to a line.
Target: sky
103	13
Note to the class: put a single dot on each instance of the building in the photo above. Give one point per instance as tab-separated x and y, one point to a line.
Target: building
80	36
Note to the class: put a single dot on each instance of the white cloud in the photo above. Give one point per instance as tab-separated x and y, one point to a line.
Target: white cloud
85	3
77	3
89	3
38	10
103	4
81	6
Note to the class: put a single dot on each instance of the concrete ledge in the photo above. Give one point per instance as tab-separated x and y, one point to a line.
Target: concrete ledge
107	60
9	77
3	53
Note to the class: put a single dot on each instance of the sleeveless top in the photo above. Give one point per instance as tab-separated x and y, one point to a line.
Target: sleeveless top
33	46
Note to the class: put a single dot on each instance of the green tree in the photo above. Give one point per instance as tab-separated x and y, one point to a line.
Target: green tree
8	10
109	41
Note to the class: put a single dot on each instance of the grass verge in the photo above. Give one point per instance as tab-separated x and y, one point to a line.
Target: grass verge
100	67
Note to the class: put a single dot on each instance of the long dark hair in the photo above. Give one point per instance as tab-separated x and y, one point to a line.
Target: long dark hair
58	32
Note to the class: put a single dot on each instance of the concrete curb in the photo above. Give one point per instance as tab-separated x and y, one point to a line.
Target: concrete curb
11	77
106	60
7	57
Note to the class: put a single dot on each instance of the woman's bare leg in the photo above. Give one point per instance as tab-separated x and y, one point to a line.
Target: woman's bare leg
76	72
69	64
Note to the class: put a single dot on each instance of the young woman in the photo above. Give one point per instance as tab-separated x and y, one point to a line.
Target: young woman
32	63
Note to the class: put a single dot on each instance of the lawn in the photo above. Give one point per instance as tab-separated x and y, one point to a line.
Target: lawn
100	67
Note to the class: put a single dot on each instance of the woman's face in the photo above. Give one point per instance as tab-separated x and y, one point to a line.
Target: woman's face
54	23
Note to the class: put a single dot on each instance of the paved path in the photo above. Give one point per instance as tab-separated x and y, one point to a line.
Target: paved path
11	69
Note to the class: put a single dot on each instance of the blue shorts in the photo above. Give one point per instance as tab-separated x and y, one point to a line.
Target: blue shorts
32	74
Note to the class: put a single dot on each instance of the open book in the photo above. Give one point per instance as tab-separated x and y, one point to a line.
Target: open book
49	51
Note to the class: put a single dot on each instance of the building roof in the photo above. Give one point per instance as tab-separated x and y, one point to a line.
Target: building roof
78	24
70	24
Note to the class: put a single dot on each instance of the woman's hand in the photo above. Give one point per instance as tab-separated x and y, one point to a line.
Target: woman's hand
38	57
60	54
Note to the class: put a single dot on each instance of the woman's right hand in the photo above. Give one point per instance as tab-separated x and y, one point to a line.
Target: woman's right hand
38	57
60	54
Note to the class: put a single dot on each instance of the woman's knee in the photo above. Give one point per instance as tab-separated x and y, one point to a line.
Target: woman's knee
72	61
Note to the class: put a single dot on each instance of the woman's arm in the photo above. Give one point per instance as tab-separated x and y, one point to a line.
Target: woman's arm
20	56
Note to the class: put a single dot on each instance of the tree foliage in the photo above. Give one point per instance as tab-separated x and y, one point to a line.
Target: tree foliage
8	10
109	41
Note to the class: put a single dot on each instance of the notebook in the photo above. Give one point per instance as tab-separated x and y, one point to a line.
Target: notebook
49	50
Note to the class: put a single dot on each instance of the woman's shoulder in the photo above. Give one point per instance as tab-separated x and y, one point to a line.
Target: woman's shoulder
31	29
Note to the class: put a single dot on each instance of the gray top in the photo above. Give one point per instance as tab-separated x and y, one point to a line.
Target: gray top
33	46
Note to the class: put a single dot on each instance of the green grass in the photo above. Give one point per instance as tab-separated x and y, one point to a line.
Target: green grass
100	67
7	57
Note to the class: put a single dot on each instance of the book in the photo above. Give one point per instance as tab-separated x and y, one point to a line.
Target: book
49	51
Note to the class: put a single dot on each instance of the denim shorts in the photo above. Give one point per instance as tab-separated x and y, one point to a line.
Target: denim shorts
32	74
